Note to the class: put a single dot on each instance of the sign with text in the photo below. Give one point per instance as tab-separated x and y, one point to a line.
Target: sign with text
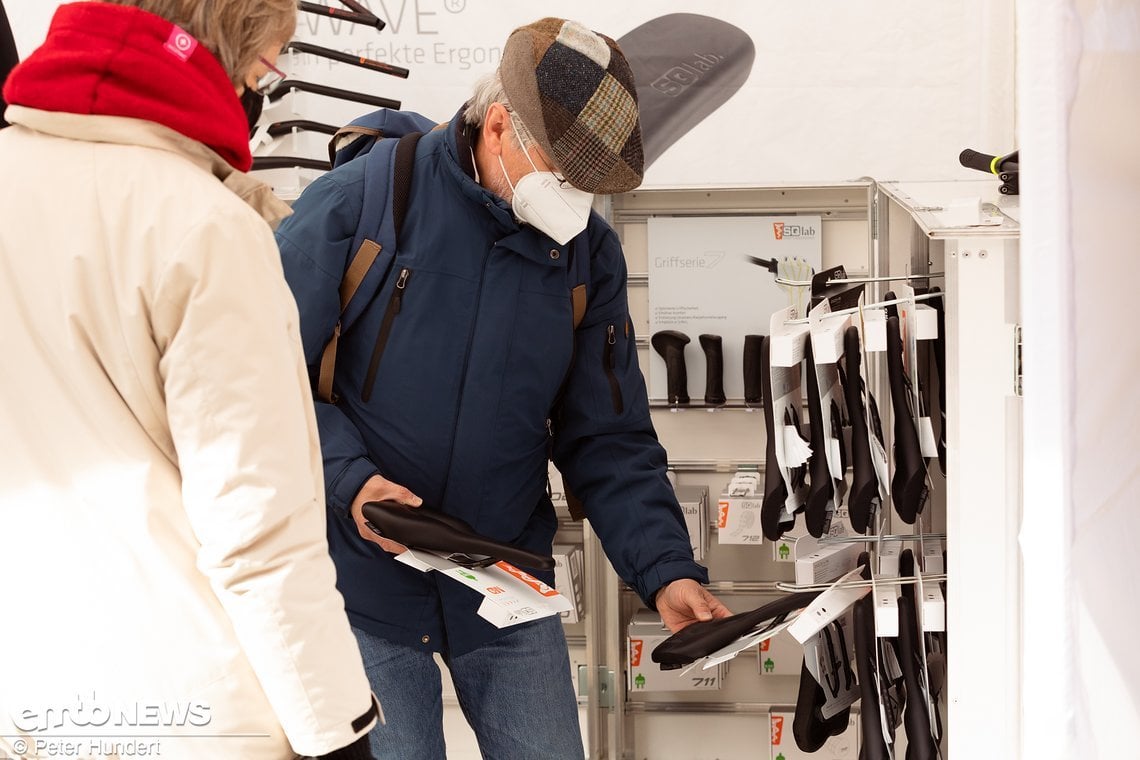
702	281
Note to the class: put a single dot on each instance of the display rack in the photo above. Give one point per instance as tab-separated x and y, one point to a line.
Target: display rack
873	230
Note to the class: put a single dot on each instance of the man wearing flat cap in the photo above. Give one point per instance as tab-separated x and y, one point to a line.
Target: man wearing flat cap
499	337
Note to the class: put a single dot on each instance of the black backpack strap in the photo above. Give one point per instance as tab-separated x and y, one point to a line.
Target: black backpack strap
366	253
402	179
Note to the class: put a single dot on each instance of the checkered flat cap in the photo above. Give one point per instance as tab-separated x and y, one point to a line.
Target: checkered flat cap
575	93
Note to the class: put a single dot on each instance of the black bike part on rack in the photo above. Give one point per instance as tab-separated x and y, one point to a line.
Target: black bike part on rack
670	344
287	85
775	489
874	746
809	728
431	530
714	369
352	17
678	85
822	489
940	370
352	60
984	162
279	128
893	309
704	637
864	481
908	486
916	718
262	163
753	348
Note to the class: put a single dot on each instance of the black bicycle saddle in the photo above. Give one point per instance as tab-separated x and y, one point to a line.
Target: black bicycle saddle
822	488
864	481
908	486
431	530
704	637
775	489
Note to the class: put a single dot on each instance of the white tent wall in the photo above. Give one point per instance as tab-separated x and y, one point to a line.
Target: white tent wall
1079	102
838	90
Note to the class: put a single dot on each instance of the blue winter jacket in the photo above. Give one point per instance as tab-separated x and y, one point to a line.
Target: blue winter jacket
481	340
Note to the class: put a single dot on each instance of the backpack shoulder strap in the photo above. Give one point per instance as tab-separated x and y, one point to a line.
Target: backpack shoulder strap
377	229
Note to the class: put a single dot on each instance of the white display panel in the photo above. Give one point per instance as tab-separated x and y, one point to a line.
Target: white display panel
701	280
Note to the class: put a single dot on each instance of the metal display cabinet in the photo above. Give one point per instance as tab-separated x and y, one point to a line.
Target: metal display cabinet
984	505
874	230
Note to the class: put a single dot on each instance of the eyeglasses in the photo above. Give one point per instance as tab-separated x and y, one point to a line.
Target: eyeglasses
270	79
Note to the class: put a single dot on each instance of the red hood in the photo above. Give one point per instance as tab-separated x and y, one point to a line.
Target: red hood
114	60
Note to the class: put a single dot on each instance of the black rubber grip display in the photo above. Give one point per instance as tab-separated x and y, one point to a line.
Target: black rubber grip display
686	66
753	355
431	530
670	344
352	17
332	92
352	60
261	163
278	128
864	481
714	369
908	486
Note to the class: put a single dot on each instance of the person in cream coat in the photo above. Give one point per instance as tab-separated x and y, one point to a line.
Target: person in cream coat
168	587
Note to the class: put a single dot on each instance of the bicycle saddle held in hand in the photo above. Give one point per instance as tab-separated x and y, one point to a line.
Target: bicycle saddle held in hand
431	530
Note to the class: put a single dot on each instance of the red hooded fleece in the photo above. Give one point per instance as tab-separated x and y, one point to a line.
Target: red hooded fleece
113	60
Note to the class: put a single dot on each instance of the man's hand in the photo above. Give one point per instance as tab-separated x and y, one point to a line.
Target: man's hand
377	488
685	601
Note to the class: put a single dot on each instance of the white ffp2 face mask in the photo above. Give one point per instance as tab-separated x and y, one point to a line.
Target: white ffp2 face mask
555	207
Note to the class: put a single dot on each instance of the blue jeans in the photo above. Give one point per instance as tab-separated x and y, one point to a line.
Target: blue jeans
515	692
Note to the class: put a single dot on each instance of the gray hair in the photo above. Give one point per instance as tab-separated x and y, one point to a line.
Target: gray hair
488	90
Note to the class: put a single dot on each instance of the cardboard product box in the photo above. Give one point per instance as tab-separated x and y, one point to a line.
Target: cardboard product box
568	564
646	631
842	747
780	655
827	563
738	520
695	506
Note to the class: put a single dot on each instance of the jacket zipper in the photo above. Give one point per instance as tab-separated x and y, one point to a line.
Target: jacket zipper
390	313
608	362
463	378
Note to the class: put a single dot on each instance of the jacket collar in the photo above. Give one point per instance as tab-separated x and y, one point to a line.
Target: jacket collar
121	130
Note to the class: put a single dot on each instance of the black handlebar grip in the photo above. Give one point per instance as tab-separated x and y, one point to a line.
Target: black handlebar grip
984	162
714	369
670	344
753	387
332	92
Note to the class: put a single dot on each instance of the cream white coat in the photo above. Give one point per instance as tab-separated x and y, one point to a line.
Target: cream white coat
162	528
